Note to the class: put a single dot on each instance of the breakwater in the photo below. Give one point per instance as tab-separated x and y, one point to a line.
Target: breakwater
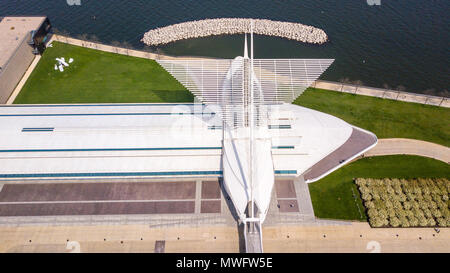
225	26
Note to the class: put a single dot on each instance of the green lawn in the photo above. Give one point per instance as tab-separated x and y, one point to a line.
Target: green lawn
99	77
332	196
385	118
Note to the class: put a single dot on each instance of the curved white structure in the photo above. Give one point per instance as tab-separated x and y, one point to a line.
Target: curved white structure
246	131
251	93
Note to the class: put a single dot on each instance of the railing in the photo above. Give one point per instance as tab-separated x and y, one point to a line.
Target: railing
383	93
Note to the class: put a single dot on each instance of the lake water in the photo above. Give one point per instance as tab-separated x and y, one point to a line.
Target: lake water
400	42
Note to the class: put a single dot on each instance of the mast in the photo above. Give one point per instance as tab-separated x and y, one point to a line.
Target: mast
251	121
245	47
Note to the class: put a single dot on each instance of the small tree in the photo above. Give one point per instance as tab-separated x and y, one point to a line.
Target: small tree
116	45
441	222
394	221
344	81
358	83
400	88
404	222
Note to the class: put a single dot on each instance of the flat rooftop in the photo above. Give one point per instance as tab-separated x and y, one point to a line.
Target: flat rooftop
12	31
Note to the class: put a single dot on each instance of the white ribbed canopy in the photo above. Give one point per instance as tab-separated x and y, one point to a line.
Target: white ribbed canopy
223	82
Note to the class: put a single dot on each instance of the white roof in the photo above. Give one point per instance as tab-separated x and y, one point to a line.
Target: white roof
144	138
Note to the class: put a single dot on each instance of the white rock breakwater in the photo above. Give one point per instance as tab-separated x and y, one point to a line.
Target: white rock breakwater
209	27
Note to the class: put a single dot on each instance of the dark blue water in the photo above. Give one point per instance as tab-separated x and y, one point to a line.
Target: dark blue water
400	42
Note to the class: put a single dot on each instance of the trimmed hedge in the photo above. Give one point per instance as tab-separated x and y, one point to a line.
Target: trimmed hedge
422	202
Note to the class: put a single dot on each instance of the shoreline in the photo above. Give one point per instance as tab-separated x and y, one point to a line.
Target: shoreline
320	84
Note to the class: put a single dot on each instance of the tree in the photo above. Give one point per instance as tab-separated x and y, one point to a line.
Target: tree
127	46
95	40
358	83
441	222
116	45
344	81
394	221
400	88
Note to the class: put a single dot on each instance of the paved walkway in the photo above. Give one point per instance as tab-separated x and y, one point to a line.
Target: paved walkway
398	146
358	142
356	237
23	80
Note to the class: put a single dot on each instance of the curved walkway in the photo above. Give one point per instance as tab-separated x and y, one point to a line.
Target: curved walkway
405	146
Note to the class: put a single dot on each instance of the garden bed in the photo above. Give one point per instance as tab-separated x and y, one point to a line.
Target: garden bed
422	202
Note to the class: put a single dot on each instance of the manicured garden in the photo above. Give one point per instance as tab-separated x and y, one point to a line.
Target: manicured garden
337	197
406	203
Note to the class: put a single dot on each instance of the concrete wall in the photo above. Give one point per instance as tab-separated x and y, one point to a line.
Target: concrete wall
15	68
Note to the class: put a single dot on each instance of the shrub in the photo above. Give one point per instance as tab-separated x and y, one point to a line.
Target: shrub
432	205
441	222
376	222
388	204
394	221
436	213
407	205
413	221
397	205
427	197
415	205
372	212
401	197
410	196
360	182
431	222
418	212
409	214
391	212
369	205
404	222
428	214
366	196
422	221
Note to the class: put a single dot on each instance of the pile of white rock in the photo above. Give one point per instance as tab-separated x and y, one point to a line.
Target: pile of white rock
208	27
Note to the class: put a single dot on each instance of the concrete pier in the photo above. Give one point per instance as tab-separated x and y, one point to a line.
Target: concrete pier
209	27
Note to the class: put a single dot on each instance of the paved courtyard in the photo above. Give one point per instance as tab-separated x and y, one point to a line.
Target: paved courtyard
192	215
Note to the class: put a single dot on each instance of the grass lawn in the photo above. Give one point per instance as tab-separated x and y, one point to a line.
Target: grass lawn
99	77
332	196
386	118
